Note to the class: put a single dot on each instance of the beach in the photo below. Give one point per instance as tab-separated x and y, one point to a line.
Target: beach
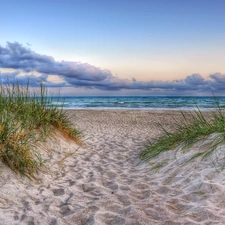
104	181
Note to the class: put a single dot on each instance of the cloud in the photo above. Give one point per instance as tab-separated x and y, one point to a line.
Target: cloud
16	56
217	82
194	82
34	81
195	79
77	74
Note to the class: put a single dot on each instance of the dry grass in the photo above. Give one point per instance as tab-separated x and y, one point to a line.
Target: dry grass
195	127
27	118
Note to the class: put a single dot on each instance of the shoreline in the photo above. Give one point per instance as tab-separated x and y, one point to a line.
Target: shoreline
145	109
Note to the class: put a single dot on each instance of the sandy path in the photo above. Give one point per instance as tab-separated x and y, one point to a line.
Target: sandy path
114	140
104	184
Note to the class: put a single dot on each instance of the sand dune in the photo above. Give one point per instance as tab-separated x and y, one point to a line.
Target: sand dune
104	183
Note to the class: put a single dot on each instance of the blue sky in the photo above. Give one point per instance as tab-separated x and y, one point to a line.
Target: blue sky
115	47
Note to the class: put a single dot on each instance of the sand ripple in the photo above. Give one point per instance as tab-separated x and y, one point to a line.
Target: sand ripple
103	182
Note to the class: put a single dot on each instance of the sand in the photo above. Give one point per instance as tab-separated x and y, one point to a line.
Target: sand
103	182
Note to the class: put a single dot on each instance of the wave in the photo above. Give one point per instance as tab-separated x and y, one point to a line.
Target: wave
139	102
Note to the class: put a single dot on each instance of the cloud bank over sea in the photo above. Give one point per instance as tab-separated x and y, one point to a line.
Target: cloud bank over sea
26	63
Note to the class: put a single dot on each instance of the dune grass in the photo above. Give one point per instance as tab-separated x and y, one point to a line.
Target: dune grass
27	117
195	127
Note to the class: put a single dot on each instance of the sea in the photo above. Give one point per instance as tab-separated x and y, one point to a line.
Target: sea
139	102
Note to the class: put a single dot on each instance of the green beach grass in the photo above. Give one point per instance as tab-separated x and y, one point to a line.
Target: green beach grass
195	127
26	118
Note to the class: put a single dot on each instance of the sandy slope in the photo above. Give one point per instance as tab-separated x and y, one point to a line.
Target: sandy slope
102	182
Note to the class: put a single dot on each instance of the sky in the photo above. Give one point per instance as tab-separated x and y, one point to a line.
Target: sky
115	47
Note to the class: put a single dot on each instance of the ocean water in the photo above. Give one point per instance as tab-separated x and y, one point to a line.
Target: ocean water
157	103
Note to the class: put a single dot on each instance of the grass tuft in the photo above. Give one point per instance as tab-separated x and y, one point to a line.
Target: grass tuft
26	118
195	127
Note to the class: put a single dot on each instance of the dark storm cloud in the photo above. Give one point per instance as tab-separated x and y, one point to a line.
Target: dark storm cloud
76	74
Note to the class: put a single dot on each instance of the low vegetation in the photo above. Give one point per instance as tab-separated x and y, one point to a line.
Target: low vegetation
195	127
27	117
